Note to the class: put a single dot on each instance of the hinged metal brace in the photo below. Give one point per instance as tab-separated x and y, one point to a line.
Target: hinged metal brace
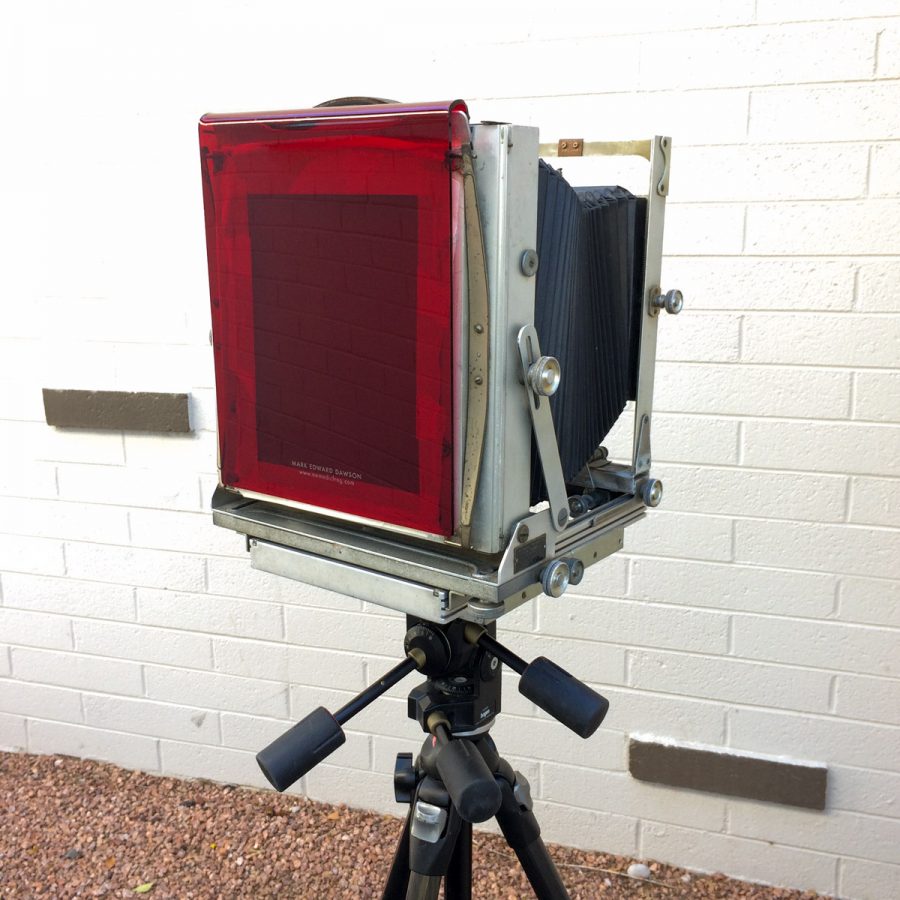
541	376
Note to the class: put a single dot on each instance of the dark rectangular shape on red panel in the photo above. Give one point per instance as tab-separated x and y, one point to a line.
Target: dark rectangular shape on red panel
330	236
334	311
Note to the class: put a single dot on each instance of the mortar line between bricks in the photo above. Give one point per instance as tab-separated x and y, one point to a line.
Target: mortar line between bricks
756	364
766	844
628	557
780	711
833	694
712	467
741	257
869	155
729	202
775	617
586	643
854	378
770	257
848	500
876	55
641	90
754	661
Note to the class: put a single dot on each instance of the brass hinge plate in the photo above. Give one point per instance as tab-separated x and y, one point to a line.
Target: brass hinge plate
570	147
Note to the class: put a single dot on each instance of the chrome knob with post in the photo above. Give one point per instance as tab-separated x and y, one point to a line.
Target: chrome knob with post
672	302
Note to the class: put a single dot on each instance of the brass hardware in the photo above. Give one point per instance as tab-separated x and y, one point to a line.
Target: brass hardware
570	147
479	350
597	148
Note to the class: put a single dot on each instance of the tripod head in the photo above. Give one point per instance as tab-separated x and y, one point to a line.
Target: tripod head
457	702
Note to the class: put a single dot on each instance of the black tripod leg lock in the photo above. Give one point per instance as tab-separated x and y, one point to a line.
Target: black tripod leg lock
300	748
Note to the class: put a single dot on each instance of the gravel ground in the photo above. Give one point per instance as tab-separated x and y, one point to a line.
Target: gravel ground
77	828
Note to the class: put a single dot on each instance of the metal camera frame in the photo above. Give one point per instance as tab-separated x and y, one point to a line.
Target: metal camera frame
508	552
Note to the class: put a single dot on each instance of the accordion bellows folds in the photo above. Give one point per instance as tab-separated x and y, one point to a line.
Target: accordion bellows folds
590	243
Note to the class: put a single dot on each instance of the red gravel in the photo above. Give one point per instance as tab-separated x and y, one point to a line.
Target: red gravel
77	828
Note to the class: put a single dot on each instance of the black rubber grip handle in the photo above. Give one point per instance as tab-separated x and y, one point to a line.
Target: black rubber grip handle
289	757
468	780
567	699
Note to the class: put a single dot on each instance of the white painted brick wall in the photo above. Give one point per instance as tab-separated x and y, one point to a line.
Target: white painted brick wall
758	609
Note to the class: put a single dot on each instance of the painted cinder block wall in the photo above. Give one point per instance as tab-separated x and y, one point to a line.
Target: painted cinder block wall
758	609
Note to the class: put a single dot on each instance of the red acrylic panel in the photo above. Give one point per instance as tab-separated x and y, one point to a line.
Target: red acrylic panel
331	237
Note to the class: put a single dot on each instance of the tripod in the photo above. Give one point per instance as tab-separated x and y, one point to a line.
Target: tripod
458	777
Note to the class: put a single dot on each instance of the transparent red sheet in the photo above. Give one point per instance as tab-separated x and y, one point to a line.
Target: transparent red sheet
330	244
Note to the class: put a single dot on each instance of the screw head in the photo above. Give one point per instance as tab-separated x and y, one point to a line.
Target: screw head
529	263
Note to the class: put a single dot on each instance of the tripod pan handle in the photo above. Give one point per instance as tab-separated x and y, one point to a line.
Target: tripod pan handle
563	696
289	757
468	780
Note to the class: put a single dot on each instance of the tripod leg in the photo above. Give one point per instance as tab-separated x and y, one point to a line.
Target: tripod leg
398	878
423	887
458	881
523	834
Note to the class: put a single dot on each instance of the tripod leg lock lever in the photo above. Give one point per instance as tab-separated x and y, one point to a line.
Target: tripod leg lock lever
522	792
428	822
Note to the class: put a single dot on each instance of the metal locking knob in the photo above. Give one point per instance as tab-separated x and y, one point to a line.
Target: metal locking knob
555	578
544	376
652	493
672	302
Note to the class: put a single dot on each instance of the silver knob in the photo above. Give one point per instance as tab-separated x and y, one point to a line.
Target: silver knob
555	578
544	376
672	302
652	493
576	571
529	263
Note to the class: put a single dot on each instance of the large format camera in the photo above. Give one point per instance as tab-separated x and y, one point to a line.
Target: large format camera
422	335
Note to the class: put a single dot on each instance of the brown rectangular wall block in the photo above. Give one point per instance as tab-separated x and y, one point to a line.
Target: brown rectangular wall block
723	772
117	410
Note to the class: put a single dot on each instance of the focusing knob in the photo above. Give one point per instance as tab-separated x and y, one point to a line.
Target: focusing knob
555	578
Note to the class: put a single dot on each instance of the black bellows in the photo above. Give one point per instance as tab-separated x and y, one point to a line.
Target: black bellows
590	244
